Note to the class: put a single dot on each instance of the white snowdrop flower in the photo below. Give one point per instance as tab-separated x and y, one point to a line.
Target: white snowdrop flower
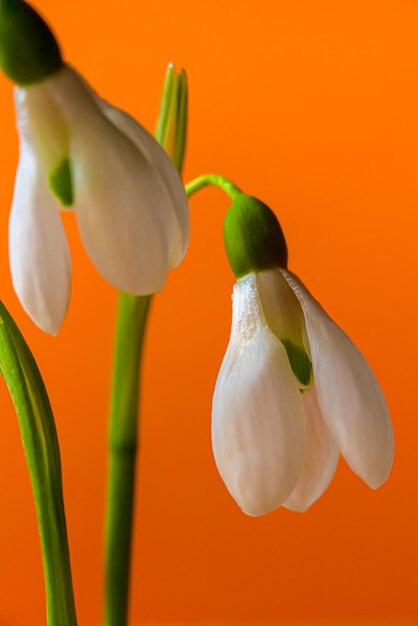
129	200
293	391
78	152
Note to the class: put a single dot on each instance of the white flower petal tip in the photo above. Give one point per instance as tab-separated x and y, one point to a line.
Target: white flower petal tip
39	256
258	426
321	458
351	401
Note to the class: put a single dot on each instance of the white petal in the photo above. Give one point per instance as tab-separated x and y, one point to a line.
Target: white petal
178	211
121	205
321	458
39	256
281	307
258	427
169	177
40	124
350	398
285	318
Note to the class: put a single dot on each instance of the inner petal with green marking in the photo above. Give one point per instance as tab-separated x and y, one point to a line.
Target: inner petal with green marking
61	183
285	319
299	362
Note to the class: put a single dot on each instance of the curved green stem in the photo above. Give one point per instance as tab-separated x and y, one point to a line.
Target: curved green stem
37	427
123	444
213	179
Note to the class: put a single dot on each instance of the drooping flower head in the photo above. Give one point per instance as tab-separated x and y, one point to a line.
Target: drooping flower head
293	391
79	152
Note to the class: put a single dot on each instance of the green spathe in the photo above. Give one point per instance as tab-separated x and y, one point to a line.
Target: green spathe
29	51
254	240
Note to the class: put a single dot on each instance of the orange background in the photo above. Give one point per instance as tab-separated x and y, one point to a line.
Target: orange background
313	107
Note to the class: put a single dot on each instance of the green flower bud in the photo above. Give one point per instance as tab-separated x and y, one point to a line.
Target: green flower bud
254	240
29	51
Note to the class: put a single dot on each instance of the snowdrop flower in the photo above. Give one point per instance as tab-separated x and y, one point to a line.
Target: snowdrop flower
79	152
293	391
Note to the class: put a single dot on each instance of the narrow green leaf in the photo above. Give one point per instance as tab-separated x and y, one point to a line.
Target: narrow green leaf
39	437
181	121
166	107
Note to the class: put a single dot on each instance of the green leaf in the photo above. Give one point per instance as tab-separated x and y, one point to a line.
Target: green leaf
39	437
171	131
166	113
181	121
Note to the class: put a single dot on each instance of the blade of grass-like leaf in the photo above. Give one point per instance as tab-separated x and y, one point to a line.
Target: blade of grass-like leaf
39	437
181	121
167	116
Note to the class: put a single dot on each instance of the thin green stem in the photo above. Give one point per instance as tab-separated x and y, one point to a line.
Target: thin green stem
213	179
123	444
124	417
40	442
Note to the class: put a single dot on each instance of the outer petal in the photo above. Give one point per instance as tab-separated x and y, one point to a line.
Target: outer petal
178	212
321	458
350	398
169	177
39	256
121	206
258	428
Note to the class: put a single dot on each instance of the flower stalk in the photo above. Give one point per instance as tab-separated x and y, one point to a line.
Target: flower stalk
123	446
124	431
216	180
